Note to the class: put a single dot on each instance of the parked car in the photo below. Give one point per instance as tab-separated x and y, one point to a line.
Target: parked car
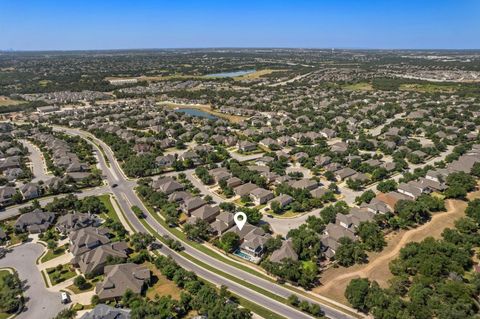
65	298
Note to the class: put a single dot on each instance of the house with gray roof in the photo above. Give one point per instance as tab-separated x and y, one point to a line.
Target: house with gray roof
120	278
88	238
102	311
94	261
285	252
34	222
73	221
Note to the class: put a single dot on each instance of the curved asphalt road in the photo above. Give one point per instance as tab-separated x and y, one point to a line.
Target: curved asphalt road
127	197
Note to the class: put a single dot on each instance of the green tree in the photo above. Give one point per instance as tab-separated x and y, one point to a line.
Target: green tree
229	241
356	293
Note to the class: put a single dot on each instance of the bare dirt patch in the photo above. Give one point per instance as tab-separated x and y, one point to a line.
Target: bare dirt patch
335	280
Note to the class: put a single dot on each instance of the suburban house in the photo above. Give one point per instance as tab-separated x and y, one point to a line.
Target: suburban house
285	252
167	185
6	195
244	189
88	238
206	213
191	204
261	196
331	237
120	278
34	222
73	221
94	261
222	223
282	200
305	183
102	311
246	146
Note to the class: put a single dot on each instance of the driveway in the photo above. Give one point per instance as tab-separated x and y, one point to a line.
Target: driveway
41	303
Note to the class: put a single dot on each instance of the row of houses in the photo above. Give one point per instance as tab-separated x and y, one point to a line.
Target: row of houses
252	238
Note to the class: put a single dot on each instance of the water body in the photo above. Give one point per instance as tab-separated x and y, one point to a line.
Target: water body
231	74
197	113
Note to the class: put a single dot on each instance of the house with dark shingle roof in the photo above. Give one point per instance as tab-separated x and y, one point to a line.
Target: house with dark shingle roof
285	252
34	222
120	278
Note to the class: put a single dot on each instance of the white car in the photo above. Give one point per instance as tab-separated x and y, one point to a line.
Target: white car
65	298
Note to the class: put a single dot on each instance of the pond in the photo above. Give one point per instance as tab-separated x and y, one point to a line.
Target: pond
231	74
197	113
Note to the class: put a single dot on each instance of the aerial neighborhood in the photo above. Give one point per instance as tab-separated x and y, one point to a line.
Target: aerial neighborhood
120	191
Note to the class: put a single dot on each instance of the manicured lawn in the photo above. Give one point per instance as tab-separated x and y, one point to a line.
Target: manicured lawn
77	290
105	199
51	254
65	273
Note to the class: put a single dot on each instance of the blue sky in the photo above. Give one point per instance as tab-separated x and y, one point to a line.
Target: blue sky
107	24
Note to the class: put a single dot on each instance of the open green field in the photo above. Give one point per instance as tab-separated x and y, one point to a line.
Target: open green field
361	86
429	87
8	101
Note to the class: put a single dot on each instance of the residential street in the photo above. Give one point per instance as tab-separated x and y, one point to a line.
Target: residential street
14	210
41	303
39	168
127	197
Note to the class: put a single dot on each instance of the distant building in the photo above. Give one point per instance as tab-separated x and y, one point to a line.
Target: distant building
122	81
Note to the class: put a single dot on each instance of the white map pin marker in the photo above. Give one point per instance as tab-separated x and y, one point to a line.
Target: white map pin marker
240	219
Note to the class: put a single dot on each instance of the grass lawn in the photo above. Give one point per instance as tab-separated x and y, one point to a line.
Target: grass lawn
308	265
51	254
256	74
161	285
105	199
89	286
4	101
361	86
429	87
65	273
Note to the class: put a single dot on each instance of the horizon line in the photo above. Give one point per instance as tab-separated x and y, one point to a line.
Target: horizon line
242	47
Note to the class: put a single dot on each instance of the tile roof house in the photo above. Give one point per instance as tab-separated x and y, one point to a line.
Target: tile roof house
120	278
34	222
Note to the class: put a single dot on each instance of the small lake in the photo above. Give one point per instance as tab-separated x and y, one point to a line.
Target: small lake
197	113
231	74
